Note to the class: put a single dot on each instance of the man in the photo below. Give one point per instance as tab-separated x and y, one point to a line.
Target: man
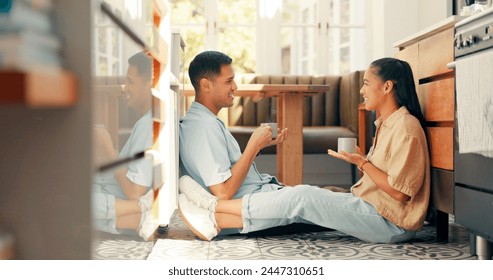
208	151
123	198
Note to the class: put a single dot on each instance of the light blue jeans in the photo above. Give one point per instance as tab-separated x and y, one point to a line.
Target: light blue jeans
103	206
312	205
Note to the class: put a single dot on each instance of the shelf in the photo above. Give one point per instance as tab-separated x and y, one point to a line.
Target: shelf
160	9
38	89
158	52
159	46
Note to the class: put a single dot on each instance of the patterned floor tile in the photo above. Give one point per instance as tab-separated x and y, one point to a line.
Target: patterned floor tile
112	249
234	248
335	245
416	251
172	249
286	247
178	242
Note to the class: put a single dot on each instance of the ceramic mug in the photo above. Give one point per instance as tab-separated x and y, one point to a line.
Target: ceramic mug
273	126
347	144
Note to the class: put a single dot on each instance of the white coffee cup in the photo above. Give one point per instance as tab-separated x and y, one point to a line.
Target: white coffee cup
347	144
273	126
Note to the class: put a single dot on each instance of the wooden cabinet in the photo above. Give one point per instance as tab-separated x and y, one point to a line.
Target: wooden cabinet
38	89
428	53
121	118
46	162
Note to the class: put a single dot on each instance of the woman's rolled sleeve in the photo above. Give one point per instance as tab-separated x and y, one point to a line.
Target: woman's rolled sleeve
407	165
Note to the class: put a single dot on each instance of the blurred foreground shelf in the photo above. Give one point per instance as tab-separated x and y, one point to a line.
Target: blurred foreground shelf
38	89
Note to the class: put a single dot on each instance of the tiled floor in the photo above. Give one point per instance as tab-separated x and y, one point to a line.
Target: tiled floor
179	243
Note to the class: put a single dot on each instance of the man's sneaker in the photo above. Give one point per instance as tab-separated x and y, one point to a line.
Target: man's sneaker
146	201
148	225
199	220
197	194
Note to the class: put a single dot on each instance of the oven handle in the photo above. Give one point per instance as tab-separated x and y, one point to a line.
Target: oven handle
451	65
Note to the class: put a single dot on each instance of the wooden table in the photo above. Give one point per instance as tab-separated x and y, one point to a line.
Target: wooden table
290	115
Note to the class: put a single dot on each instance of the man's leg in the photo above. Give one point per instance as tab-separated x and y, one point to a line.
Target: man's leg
104	213
127	207
131	221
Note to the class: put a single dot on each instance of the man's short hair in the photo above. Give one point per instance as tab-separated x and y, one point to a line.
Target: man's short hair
207	64
143	63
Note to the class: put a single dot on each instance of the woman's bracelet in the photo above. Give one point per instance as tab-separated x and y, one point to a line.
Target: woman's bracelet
361	166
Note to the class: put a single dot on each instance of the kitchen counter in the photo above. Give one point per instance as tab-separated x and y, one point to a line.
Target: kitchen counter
431	30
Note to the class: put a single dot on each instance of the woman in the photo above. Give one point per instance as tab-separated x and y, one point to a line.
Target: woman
386	205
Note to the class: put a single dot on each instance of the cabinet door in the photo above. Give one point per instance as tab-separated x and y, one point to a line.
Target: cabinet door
435	52
440	142
437	99
410	55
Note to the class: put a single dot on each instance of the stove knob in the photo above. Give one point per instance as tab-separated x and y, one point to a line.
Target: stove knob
458	41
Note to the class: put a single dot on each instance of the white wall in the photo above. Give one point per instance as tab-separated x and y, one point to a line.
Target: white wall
392	20
431	12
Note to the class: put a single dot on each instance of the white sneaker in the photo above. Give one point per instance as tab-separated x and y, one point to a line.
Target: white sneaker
197	194
146	201
201	221
148	225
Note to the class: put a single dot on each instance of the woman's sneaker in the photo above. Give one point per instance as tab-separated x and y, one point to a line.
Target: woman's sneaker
200	221
197	194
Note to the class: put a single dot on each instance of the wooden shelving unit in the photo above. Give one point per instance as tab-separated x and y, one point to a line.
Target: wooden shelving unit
47	165
38	89
158	49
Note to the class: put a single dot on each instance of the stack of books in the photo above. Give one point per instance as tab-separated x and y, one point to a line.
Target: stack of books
27	39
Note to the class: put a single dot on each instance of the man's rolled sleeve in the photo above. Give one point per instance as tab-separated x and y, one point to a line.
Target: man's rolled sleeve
208	156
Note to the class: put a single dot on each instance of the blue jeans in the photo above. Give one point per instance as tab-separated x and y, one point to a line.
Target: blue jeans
312	205
103	206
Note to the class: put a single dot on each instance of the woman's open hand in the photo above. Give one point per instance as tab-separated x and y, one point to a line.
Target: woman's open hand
355	158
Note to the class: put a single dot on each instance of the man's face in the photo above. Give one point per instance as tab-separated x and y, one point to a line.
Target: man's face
136	87
224	87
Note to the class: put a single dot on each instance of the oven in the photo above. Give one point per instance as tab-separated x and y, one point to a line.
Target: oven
473	130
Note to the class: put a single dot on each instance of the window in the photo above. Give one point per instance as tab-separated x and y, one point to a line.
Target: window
276	36
225	25
107	46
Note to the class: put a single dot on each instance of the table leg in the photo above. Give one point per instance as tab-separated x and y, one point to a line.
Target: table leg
290	152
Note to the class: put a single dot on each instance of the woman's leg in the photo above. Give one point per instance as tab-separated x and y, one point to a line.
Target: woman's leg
313	205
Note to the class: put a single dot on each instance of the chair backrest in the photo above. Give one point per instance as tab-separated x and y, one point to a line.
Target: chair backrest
336	107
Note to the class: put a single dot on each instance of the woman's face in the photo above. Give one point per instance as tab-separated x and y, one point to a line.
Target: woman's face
372	90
